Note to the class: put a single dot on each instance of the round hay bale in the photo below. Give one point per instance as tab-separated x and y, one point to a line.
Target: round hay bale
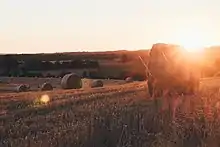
129	79
96	83
71	81
22	88
46	87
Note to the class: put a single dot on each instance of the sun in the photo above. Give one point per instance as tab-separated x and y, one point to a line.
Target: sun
192	44
192	40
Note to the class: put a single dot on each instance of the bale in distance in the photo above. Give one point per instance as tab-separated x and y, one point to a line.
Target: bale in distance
46	87
71	81
22	88
96	83
129	79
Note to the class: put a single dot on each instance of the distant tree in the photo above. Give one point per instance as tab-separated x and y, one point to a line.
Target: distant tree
93	64
57	65
74	63
47	65
84	74
77	63
49	75
33	64
9	64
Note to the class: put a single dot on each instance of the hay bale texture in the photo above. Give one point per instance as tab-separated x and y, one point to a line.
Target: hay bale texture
129	80
71	81
22	88
46	87
96	83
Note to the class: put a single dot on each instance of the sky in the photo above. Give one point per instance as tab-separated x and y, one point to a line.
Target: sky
44	26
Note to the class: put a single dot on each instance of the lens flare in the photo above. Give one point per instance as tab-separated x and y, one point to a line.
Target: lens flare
45	98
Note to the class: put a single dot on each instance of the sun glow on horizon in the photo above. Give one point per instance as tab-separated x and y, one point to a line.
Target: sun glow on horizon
193	40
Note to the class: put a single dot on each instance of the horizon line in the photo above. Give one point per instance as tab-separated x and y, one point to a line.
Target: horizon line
98	51
94	51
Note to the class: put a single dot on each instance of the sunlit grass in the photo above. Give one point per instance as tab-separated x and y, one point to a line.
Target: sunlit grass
127	118
40	101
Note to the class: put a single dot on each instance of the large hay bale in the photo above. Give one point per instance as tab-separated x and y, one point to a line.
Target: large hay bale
96	83
46	87
71	81
129	79
172	68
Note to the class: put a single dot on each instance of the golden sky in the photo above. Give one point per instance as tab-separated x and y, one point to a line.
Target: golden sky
28	26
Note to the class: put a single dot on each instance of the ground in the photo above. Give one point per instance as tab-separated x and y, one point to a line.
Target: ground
35	83
112	116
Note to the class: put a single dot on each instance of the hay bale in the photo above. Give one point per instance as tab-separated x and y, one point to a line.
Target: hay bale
71	81
96	83
129	80
22	88
46	87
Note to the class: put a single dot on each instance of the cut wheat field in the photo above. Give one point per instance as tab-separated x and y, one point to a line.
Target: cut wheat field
112	116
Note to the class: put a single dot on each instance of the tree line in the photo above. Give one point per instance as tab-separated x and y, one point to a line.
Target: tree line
9	65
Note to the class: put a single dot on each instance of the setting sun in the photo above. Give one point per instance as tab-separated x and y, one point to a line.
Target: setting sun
193	40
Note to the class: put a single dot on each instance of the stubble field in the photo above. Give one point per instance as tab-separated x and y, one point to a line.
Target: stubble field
112	116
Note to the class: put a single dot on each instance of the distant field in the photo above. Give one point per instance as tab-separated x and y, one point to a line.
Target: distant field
37	82
118	115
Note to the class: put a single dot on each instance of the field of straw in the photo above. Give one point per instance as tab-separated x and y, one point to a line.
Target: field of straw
114	116
36	83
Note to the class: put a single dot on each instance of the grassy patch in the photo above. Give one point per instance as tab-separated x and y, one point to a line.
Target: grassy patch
117	119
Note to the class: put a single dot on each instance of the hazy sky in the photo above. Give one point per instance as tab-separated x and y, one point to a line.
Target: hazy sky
77	25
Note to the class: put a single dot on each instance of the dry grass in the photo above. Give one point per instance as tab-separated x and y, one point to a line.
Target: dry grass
35	83
107	117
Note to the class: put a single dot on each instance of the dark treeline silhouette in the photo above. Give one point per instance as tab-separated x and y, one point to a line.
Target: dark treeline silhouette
11	67
108	55
34	64
62	56
56	65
